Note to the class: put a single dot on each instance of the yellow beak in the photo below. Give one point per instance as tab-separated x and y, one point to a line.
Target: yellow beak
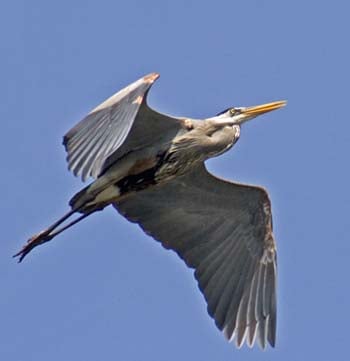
264	108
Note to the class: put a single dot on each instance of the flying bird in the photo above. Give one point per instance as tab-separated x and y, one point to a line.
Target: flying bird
151	168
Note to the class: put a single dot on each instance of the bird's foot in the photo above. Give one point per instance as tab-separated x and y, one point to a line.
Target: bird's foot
36	240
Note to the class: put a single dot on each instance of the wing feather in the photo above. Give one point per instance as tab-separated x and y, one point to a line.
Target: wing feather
93	143
252	321
217	303
225	296
88	148
224	231
243	277
260	316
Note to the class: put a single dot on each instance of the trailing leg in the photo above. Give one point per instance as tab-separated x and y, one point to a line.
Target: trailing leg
47	234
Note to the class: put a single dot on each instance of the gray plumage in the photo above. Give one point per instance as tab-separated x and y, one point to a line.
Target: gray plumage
150	167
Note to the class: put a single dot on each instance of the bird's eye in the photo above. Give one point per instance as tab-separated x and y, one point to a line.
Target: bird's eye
233	112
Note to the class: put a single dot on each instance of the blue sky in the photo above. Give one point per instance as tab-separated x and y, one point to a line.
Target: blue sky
106	291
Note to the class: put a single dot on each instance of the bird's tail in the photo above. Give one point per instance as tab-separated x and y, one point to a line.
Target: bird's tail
79	199
94	197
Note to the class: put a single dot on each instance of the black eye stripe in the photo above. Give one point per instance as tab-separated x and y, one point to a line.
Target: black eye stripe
232	111
223	112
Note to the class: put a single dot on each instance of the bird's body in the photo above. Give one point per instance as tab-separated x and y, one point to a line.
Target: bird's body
195	142
150	167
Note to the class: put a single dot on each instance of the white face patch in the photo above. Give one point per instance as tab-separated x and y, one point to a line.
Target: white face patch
237	129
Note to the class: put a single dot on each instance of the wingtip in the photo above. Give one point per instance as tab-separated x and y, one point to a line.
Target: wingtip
151	78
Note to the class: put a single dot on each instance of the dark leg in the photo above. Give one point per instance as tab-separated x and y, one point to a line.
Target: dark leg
49	233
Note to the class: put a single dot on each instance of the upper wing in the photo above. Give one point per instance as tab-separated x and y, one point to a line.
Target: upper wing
224	231
106	128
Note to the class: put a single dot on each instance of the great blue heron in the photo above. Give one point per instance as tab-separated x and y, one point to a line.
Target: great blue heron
150	167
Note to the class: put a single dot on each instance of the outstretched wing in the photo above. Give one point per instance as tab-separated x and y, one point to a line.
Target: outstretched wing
224	231
106	128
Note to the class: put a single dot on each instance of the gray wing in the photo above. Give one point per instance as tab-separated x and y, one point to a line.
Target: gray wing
224	231
107	128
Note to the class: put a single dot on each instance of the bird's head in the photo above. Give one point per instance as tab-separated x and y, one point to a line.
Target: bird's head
239	115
